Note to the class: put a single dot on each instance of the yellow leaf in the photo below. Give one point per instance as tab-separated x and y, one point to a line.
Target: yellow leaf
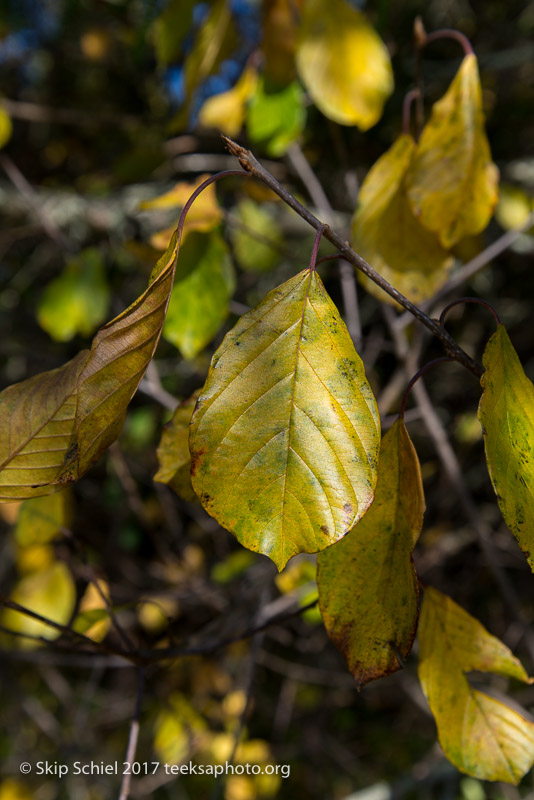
13	790
386	233
50	593
480	735
285	435
226	111
55	425
173	453
514	207
204	215
178	730
6	127
93	618
506	413
367	583
343	63
452	182
40	519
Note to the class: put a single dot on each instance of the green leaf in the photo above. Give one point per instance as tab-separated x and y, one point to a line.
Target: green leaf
506	413
203	287
77	301
480	735
173	453
40	519
452	181
386	233
55	425
285	436
256	239
170	29
215	41
343	63
276	117
367	583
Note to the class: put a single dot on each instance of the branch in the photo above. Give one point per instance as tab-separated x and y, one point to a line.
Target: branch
250	164
134	736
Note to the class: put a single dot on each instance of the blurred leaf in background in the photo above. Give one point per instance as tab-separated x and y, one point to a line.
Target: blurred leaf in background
77	301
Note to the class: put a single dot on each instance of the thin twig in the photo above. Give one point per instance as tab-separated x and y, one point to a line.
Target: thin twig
250	164
28	193
134	736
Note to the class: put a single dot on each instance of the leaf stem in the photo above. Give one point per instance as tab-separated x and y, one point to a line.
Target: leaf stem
412	96
416	377
450	33
204	185
315	250
476	300
251	165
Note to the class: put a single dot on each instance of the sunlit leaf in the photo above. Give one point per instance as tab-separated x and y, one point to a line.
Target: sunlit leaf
155	613
226	111
367	583
14	790
452	182
514	208
506	413
343	63
174	458
77	301
178	730
285	435
204	215
276	117
199	300
171	28
41	518
93	617
6	127
256	238
55	425
479	734
50	593
386	233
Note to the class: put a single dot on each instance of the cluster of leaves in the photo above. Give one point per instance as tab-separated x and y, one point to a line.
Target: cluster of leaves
282	444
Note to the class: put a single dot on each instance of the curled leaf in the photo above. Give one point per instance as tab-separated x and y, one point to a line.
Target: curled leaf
285	435
506	413
174	457
479	734
452	181
343	63
367	583
55	425
386	233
